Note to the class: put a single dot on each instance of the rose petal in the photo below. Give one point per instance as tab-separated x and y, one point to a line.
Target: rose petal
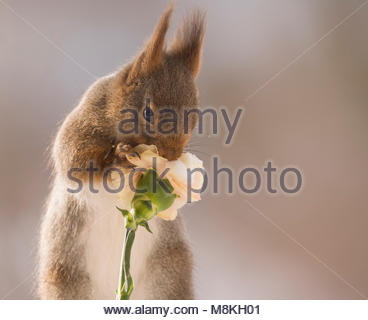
145	160
144	147
191	161
177	175
172	212
168	214
178	171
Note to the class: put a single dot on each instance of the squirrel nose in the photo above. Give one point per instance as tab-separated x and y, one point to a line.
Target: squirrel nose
171	147
171	153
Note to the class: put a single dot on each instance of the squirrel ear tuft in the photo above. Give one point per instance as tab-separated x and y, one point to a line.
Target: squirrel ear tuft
187	44
151	55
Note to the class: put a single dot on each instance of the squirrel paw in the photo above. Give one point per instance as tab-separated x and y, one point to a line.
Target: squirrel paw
121	151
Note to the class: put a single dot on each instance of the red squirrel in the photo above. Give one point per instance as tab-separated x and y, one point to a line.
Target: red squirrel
82	233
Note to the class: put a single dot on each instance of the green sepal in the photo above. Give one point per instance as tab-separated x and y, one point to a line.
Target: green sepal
143	209
124	212
130	222
146	226
156	190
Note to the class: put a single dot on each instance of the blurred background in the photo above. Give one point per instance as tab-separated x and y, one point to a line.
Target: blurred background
300	70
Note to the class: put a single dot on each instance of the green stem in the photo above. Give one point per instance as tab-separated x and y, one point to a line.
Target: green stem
125	278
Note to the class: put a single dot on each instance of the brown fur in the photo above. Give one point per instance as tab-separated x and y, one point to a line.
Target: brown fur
170	264
188	41
88	133
62	271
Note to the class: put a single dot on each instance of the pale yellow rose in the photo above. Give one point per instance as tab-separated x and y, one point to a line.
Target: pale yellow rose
177	175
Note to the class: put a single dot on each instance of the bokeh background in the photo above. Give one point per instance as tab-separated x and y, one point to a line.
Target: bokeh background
300	70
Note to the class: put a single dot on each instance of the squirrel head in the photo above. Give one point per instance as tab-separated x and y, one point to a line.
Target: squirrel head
154	99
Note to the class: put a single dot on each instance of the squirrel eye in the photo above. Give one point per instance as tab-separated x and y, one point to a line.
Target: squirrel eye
147	112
